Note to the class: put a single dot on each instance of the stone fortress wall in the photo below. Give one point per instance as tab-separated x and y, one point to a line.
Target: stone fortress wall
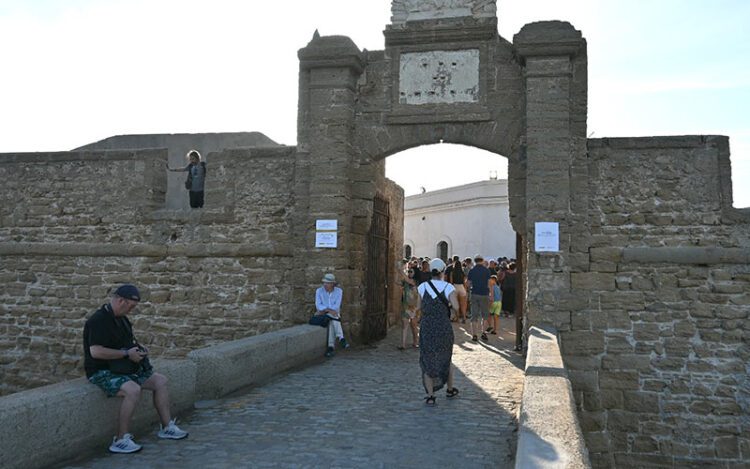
657	347
77	223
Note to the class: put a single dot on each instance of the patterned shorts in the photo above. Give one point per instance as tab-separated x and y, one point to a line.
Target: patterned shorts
111	383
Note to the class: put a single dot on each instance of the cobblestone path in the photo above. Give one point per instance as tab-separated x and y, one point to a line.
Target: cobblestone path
362	408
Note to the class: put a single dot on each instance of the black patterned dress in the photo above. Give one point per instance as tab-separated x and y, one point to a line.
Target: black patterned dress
435	340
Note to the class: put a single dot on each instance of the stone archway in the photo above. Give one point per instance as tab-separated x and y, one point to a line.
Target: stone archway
446	77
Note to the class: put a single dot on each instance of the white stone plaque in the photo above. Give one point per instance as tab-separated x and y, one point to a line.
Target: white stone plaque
326	225
326	239
547	237
439	77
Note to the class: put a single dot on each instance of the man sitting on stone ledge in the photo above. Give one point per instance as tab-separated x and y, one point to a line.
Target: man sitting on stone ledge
328	301
115	362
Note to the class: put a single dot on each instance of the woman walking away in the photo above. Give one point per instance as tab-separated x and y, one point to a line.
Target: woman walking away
436	333
196	178
409	307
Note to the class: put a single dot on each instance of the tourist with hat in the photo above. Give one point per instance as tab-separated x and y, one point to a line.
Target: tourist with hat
436	333
328	302
479	285
119	365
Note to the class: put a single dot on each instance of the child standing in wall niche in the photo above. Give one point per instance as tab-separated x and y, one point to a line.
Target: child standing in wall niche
196	178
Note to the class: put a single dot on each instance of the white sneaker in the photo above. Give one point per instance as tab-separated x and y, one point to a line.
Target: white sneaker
124	444
172	431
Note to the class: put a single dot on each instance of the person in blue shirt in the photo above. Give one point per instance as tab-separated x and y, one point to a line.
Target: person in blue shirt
328	301
496	306
479	284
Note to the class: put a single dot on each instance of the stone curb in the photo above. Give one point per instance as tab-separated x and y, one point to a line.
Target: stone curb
549	434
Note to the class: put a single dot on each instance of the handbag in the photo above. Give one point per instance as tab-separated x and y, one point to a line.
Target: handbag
189	181
124	366
319	320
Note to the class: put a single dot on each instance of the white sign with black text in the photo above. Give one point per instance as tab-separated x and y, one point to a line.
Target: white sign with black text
547	237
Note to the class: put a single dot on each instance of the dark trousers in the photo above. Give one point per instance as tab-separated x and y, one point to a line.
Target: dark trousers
196	199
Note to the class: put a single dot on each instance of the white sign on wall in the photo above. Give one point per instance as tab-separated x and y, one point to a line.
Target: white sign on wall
326	239
326	234
326	225
547	237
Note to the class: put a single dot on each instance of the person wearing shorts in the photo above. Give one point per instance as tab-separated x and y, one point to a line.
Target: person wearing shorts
117	364
496	305
479	281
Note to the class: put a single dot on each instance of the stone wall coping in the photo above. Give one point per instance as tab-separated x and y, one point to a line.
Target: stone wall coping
100	155
671	141
51	424
548	38
549	433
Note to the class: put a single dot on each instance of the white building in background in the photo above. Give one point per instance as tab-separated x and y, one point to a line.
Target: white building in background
464	220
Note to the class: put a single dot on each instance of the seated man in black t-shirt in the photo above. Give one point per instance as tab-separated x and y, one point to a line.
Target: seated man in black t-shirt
115	362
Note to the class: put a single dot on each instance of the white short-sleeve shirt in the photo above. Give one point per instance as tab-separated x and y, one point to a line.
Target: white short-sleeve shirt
440	286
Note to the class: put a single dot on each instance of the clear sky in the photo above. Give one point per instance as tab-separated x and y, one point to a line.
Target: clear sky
77	71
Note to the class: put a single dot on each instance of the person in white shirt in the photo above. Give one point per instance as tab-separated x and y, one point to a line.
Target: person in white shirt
328	302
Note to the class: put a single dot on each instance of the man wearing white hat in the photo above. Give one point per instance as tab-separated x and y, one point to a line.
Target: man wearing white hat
328	301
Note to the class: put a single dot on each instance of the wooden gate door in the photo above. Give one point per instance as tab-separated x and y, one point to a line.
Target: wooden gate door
375	321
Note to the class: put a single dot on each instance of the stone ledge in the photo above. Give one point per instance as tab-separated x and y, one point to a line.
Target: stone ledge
46	425
54	423
231	366
549	433
687	255
144	250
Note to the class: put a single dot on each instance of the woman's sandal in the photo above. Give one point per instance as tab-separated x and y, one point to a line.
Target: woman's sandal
430	401
400	347
451	392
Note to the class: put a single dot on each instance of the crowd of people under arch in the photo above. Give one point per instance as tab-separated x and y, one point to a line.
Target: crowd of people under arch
485	289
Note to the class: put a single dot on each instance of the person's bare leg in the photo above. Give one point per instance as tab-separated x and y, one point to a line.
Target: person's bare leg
414	332
404	331
429	386
131	393
158	384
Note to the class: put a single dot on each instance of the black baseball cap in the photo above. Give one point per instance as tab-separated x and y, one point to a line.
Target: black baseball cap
129	292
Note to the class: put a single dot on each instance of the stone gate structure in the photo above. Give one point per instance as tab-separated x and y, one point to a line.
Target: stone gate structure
650	288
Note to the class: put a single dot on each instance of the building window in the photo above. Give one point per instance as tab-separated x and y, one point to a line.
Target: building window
407	251
442	250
